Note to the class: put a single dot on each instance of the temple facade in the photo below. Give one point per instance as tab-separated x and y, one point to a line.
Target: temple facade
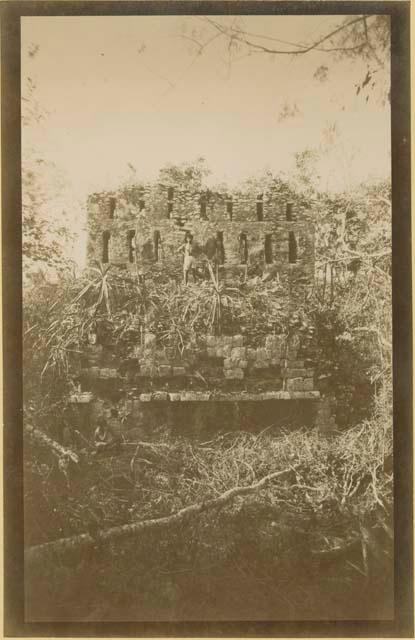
223	379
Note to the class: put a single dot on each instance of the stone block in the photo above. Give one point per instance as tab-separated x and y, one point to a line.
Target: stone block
175	397
211	341
227	363
138	351
203	396
243	364
251	353
219	352
291	354
270	395
93	372
275	362
227	340
270	342
226	350
236	373
261	353
136	407
189	396
150	340
238	353
294	373
145	397
179	371
308	384
164	370
160	396
211	352
294	364
237	341
108	373
295	384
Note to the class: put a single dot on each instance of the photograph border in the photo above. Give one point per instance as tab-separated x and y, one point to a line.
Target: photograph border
14	624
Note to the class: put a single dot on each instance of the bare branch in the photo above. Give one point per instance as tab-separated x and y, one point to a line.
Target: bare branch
73	543
57	448
241	36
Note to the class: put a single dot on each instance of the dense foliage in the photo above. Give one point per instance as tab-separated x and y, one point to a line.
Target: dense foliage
328	521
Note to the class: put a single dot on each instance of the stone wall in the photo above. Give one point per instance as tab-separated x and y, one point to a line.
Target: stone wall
147	224
221	380
217	360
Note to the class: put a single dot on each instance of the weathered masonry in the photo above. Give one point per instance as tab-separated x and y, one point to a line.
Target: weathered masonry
224	380
147	225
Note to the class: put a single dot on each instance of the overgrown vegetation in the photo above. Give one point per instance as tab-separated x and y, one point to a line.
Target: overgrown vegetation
328	518
317	538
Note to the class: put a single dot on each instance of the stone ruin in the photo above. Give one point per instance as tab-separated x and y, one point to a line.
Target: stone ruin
223	382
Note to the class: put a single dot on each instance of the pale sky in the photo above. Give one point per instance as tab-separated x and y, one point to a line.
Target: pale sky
121	90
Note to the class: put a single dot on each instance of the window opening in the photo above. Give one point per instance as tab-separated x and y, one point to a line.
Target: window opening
268	249
131	245
292	247
243	248
203	206
260	207
289	211
220	249
170	195
112	206
105	246
229	208
157	247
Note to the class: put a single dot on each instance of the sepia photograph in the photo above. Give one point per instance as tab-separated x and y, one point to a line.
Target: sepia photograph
207	342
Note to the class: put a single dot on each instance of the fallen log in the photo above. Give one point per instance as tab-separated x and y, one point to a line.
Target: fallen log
63	546
57	448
